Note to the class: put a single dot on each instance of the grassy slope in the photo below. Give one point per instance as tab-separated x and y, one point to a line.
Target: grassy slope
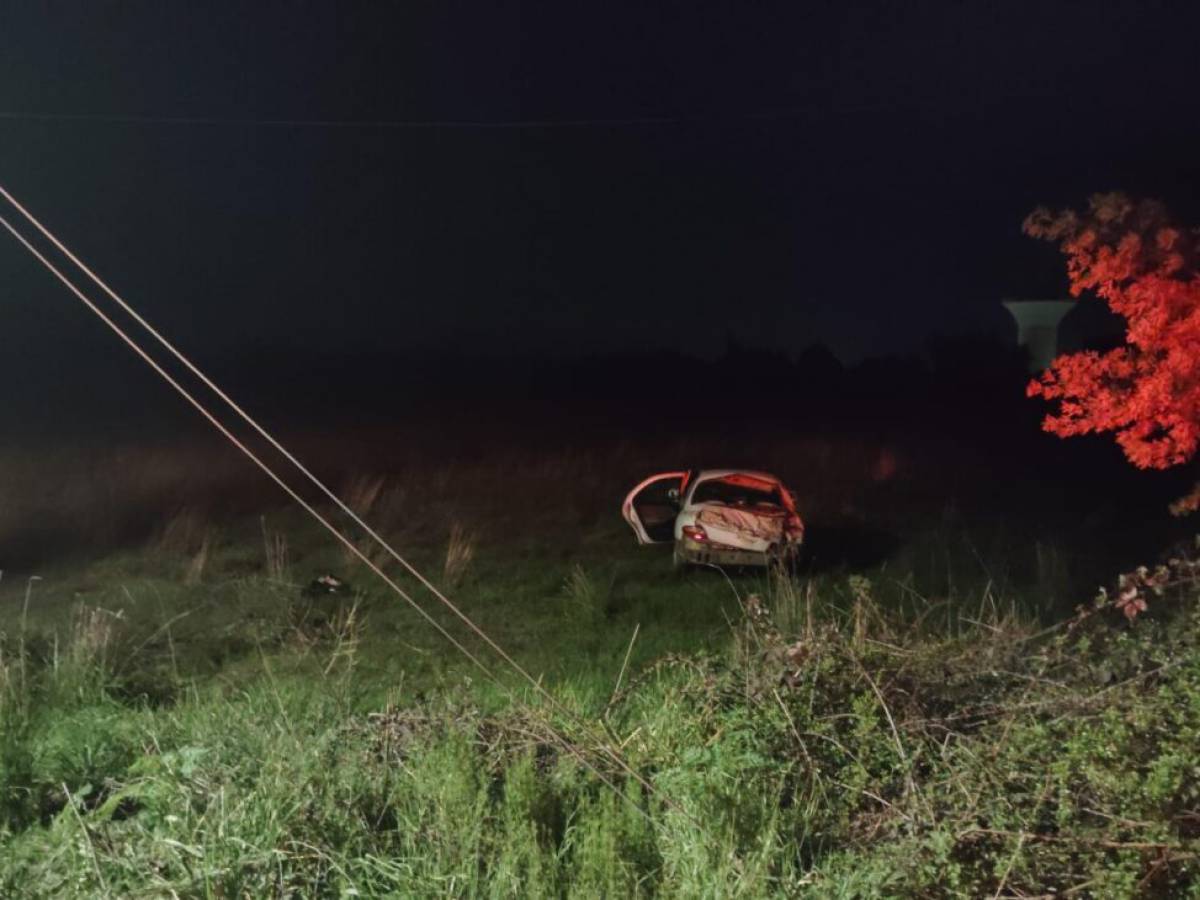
208	730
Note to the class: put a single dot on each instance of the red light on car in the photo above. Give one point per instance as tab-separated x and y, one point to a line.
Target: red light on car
695	532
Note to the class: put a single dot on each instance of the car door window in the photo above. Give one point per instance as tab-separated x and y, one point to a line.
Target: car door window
656	509
652	506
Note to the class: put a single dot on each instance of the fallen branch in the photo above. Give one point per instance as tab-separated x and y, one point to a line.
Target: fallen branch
1105	843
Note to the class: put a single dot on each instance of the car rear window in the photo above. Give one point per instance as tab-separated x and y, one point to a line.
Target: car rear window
718	490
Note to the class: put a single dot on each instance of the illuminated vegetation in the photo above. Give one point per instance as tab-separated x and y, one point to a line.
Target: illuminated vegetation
183	716
1146	391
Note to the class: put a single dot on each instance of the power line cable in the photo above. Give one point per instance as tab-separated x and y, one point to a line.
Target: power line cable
307	473
405	124
336	532
539	688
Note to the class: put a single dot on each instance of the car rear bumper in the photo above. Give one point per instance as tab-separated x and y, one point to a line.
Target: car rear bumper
701	553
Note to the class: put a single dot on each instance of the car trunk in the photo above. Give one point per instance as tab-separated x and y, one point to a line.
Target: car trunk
746	527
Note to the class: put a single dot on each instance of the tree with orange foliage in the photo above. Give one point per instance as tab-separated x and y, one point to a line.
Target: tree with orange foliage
1147	392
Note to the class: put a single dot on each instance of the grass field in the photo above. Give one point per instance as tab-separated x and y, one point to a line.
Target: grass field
908	714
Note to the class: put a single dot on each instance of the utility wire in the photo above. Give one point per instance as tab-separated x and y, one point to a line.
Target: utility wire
404	124
313	479
538	687
407	124
304	504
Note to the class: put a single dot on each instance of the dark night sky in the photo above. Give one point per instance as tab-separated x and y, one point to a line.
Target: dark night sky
782	172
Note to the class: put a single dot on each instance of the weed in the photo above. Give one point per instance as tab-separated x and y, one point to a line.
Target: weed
911	726
460	550
275	551
372	501
199	560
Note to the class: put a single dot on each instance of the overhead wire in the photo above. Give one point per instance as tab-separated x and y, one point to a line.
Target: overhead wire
312	478
566	743
399	124
536	684
709	118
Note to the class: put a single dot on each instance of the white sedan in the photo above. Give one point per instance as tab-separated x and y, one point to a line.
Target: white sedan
723	517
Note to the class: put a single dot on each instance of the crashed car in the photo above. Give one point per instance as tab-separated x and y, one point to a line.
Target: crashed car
722	517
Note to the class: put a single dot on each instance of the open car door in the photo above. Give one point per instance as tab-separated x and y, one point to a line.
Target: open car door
650	509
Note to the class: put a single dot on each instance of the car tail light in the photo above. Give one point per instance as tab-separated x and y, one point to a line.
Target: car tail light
695	532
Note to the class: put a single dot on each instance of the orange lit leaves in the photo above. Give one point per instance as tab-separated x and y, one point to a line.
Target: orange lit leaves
1147	392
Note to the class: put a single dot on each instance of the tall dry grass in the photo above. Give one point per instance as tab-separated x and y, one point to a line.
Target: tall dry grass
275	552
460	551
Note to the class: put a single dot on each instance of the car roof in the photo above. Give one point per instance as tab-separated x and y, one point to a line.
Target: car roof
705	474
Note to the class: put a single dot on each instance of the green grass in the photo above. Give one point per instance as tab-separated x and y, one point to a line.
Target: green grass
178	717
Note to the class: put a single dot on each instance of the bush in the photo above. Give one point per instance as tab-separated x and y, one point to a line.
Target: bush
857	752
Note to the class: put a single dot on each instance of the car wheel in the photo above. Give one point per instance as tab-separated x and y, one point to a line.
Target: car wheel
783	558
